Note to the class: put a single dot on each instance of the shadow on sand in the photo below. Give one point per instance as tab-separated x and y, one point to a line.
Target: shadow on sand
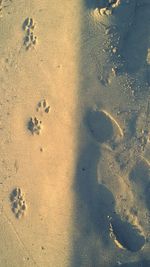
95	208
136	41
143	263
94	203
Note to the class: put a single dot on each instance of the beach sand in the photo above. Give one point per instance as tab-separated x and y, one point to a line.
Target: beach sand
74	124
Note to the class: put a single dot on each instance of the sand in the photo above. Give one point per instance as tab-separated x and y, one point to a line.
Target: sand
74	124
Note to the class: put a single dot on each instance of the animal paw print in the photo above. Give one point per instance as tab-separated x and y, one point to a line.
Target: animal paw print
18	203
35	126
34	123
29	39
43	106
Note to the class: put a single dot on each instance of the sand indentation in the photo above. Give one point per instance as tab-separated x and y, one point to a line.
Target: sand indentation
126	236
102	126
43	107
35	126
30	38
18	203
109	7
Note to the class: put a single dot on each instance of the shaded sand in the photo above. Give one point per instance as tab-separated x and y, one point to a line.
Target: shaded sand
38	131
74	123
113	168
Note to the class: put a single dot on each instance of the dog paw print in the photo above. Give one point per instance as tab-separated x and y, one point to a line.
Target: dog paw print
28	24
30	38
18	203
35	126
43	106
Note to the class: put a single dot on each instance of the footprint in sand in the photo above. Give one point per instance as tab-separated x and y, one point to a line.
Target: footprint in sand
125	235
35	126
104	129
100	126
30	39
43	107
129	21
115	14
18	203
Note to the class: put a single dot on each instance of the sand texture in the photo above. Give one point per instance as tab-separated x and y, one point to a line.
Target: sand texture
75	141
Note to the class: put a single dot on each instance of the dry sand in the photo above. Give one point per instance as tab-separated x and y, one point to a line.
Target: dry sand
74	124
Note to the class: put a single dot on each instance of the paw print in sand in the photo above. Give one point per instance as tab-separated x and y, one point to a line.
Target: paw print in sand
29	39
43	106
35	126
18	203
